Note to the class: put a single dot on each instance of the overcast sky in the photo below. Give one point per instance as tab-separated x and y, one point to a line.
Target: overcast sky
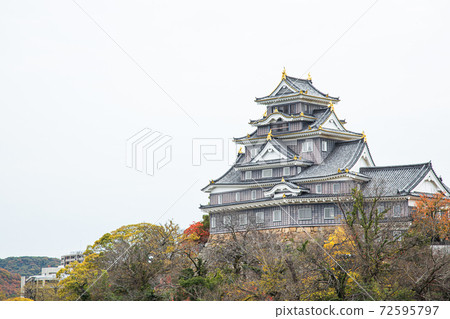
74	90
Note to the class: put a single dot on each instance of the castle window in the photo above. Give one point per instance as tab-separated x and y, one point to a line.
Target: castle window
266	173
304	213
259	217
253	194
397	210
324	146
286	171
336	188
248	175
328	213
319	189
253	152
299	170
238	197
243	219
277	215
227	220
219	199
213	222
307	146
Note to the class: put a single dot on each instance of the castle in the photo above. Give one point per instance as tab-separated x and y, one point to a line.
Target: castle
300	161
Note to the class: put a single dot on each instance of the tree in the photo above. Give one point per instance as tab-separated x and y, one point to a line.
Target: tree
431	217
126	264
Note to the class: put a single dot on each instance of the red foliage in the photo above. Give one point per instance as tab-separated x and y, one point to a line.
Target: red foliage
9	283
198	229
431	215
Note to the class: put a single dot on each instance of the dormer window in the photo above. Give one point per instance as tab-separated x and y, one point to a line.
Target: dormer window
307	146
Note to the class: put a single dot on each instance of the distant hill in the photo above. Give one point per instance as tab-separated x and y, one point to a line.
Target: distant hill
9	284
28	266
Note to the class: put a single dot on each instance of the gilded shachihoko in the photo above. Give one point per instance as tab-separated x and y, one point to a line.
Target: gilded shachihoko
301	161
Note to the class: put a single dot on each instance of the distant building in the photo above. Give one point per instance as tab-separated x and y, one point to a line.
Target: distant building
73	256
41	287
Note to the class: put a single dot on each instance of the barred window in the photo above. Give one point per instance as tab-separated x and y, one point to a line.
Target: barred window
324	146
259	217
336	188
213	222
219	199
253	194
266	173
248	175
328	213
304	213
319	189
286	171
238	197
307	146
227	220
243	219
277	215
397	210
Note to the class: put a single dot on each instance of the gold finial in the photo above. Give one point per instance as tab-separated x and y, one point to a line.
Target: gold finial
276	110
302	114
265	113
320	127
301	91
309	77
339	170
346	170
327	94
309	127
295	157
211	181
330	104
269	135
306	92
364	136
248	135
282	180
283	74
240	150
284	195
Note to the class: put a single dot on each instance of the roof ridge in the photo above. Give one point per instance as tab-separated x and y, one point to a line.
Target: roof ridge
397	166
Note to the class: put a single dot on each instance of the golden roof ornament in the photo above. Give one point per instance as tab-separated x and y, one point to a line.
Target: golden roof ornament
309	77
306	92
265	113
346	170
339	170
248	135
211	181
276	110
282	180
364	136
269	135
302	114
295	157
320	127
283	74
240	150
284	195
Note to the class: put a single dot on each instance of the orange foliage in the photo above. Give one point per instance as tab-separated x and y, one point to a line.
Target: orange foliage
197	233
431	215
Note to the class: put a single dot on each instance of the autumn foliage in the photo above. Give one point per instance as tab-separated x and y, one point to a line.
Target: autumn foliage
431	217
197	232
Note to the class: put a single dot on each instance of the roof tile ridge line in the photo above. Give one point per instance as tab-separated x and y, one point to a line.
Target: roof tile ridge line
310	83
396	166
320	119
229	170
251	134
356	156
420	175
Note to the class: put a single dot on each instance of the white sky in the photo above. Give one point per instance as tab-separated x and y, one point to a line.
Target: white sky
70	98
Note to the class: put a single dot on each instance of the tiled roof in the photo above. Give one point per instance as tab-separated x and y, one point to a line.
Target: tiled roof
344	155
300	85
393	180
